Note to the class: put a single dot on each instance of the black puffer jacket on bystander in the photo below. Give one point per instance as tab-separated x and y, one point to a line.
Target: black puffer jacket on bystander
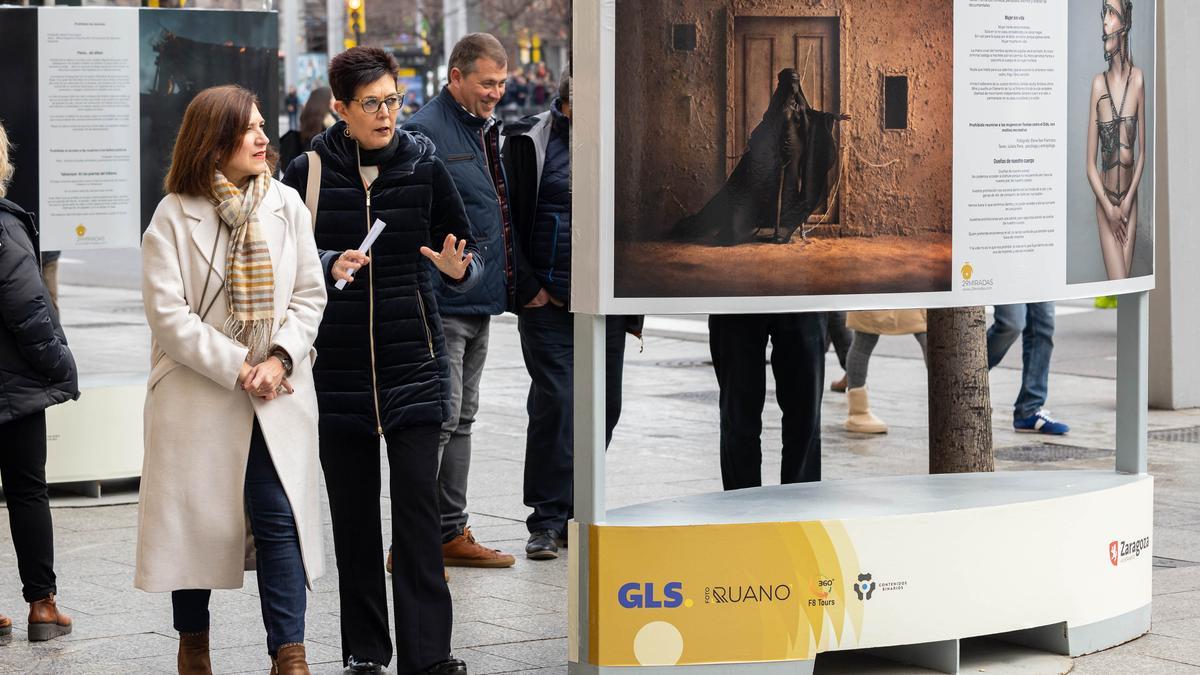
382	361
36	367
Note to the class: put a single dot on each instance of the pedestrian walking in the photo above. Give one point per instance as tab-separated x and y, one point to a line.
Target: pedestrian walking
1034	323
233	295
867	327
384	370
36	372
462	124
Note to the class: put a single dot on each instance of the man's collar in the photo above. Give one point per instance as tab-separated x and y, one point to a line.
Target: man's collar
469	117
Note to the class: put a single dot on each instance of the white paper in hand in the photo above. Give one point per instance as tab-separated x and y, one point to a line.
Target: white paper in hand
365	246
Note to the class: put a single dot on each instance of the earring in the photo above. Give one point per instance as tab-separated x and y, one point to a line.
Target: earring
346	132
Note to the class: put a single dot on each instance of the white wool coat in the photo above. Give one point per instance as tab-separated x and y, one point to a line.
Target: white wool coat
192	527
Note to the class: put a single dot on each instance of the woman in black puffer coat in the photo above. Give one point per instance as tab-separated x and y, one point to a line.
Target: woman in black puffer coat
382	368
36	372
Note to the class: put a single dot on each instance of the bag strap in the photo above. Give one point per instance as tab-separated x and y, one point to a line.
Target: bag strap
312	193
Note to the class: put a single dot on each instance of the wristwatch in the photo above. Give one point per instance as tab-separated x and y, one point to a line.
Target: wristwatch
284	358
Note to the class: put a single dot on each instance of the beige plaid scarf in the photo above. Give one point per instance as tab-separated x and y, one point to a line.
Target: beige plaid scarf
249	279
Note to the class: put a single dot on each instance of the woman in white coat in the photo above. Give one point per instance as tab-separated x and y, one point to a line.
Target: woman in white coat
234	293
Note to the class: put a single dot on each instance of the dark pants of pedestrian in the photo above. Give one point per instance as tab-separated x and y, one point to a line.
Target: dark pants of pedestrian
280	568
23	470
738	344
423	612
839	336
548	345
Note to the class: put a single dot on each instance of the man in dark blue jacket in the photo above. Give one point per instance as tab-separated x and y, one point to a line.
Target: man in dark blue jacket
537	162
461	123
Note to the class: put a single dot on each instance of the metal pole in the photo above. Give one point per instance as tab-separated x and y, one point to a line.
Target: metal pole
335	29
589	456
292	41
1133	356
589	418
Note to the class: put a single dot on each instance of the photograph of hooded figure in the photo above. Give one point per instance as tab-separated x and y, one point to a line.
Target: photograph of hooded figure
742	176
779	181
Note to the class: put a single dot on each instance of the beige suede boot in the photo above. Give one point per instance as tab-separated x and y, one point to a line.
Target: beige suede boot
860	420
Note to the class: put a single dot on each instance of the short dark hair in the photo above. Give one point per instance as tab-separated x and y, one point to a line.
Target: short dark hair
213	127
473	47
358	66
564	88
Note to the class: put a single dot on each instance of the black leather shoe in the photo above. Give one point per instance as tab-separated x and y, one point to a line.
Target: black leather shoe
357	665
448	667
543	545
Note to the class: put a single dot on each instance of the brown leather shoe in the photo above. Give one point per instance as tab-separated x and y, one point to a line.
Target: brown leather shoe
193	656
5	625
464	551
290	660
45	621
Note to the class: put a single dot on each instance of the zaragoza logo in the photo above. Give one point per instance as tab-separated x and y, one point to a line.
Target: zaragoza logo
967	271
1114	552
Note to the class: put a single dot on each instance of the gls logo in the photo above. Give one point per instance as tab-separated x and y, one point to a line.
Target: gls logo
636	595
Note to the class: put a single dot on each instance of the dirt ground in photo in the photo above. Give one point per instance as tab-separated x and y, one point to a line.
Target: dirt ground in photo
818	266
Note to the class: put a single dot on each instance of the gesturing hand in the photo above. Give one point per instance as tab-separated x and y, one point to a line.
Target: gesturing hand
347	264
450	261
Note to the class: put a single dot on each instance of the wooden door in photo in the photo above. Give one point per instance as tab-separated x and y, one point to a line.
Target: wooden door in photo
762	46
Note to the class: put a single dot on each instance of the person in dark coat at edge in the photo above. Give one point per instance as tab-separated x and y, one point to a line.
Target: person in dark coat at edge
537	161
462	123
776	185
781	179
37	371
383	369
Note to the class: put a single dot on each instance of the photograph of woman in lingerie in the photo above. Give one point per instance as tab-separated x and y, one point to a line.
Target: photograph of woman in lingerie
1115	144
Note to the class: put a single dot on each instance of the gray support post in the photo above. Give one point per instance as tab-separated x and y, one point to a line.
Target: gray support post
589	418
335	27
291	39
589	455
1133	342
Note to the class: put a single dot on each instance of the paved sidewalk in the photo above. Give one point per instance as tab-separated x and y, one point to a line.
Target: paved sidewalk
514	620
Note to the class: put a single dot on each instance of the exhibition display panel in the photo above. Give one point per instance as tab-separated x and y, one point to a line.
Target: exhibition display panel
747	156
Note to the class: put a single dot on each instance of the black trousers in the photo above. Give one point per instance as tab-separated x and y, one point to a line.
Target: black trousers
23	470
548	345
738	345
839	336
423	612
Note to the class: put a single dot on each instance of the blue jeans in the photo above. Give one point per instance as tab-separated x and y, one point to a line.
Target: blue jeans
280	568
1034	322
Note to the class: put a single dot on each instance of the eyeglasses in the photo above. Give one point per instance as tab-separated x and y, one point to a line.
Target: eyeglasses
370	104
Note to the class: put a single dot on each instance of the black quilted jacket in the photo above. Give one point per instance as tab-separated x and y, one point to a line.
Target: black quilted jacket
381	363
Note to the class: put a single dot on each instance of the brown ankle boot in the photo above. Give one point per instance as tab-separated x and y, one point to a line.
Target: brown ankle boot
5	625
45	621
193	654
290	660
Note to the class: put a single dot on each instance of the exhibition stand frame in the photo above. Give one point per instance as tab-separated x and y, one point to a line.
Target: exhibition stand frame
763	580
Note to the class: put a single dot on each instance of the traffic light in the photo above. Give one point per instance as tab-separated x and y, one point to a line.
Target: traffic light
356	19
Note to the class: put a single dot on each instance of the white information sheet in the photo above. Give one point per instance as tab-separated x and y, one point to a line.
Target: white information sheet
1010	126
89	133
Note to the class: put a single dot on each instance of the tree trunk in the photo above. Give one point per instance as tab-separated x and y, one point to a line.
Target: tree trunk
960	402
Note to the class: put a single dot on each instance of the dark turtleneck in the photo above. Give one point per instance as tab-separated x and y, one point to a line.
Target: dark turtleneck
383	155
